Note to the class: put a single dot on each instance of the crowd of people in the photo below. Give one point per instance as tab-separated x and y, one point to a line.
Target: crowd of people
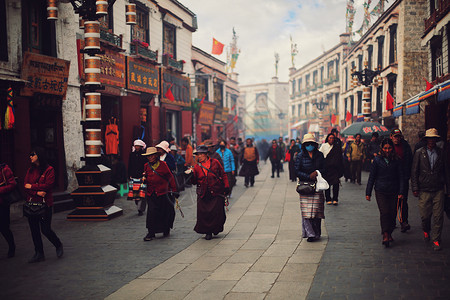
156	175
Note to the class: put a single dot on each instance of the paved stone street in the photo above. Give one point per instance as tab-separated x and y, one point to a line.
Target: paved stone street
260	255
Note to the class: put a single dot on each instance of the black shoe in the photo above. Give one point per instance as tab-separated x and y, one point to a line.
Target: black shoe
149	237
405	227
251	184
310	239
278	176
37	258
140	213
208	236
272	176
246	185
11	251
335	203
359	183
60	251
166	233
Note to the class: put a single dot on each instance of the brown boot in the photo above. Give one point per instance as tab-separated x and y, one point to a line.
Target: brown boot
385	239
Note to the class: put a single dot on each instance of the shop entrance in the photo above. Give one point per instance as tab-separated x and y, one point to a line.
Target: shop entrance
46	132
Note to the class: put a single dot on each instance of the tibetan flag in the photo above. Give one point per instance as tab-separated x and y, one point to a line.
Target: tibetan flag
203	100
333	119
348	116
233	107
389	101
429	85
169	94
235	119
217	47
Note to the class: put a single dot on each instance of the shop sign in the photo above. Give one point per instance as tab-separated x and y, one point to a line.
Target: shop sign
112	66
142	76
206	113
45	74
179	86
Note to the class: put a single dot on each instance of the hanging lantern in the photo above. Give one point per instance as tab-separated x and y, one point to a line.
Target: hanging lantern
91	35
93	98
81	23
102	8
52	10
130	14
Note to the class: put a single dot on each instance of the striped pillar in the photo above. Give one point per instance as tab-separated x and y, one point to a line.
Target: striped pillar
366	103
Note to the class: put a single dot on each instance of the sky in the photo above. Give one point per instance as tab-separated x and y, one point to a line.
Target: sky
264	28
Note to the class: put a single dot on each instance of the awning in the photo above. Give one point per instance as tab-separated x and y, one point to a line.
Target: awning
4	77
398	111
431	92
298	124
444	91
412	106
314	128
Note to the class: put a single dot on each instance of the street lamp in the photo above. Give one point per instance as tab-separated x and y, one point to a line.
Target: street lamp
366	76
320	105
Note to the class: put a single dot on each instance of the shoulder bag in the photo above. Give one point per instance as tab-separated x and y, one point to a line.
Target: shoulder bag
34	209
306	187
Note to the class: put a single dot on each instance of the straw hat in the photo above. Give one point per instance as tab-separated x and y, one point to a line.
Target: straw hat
150	151
201	149
309	137
209	143
432	133
163	145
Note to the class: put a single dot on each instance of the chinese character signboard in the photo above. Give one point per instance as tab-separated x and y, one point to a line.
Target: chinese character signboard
179	86
45	74
142	76
206	113
112	68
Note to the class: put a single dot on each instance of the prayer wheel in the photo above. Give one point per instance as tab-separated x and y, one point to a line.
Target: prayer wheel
93	98
102	8
93	135
81	23
91	64
52	10
92	78
93	112
93	150
91	35
130	14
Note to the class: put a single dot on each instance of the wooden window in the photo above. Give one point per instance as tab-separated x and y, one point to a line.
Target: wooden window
299	110
169	40
315	77
336	101
202	87
379	106
306	108
352	104
38	33
380	51
139	31
3	32
321	74
307	80
293	110
360	62
393	44
436	57
299	84
218	94
392	85
293	87
359	108
369	57
330	71
346	78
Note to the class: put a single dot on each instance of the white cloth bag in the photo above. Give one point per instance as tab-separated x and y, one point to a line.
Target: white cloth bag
321	184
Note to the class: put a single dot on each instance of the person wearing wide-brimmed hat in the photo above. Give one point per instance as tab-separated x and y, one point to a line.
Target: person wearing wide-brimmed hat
212	188
160	182
212	147
429	175
307	163
163	149
136	163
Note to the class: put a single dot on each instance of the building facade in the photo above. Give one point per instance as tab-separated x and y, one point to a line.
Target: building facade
266	109
314	93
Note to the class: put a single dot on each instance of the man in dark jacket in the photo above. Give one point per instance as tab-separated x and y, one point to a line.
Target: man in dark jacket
403	151
275	154
373	147
428	179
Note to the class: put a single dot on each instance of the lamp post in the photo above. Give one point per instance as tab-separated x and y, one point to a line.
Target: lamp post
366	77
320	105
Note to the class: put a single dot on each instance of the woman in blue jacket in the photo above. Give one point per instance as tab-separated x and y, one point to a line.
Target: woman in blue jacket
228	163
387	175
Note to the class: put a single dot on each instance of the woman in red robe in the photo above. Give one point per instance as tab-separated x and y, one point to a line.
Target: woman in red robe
212	188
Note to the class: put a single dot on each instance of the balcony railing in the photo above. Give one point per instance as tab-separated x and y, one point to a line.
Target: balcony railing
137	49
442	8
111	38
173	63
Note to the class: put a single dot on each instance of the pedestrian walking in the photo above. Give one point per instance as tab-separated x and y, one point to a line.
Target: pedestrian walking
160	182
7	184
39	181
212	151
187	152
333	168
136	188
180	168
165	156
249	163
293	151
228	163
373	148
403	151
283	150
275	155
346	159
308	162
386	174
212	188
234	148
429	174
356	155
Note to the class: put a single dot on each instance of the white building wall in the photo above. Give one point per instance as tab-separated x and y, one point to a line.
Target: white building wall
14	28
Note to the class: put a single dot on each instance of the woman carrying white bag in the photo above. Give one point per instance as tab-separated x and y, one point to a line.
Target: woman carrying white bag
308	165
